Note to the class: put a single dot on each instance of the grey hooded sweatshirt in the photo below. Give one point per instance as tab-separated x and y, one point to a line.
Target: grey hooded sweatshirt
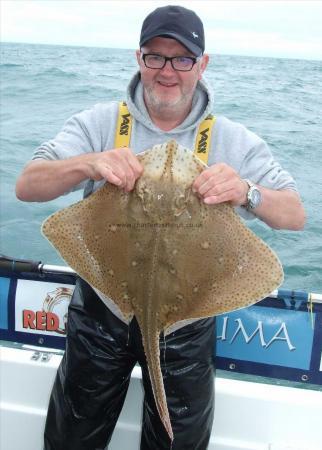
93	130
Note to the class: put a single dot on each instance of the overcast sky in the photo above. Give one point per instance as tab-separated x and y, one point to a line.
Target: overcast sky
261	28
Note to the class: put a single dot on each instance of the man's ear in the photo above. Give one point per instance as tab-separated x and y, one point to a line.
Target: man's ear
203	64
138	56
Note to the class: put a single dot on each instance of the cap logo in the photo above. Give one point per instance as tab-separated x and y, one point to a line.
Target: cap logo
195	35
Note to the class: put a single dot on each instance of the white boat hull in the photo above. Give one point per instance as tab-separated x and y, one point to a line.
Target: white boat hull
248	415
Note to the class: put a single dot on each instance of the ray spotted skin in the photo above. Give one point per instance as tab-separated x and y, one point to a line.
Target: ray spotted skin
163	255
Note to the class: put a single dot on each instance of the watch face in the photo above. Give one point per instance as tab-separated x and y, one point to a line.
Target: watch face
255	198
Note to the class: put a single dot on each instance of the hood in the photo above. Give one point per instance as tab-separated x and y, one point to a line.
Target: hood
202	105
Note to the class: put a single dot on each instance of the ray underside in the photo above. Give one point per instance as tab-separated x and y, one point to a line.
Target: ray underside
161	254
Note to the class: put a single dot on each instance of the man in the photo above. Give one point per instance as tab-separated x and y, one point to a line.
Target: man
167	99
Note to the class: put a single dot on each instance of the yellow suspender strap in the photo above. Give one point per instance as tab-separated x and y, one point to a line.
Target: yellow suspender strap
203	139
202	145
123	128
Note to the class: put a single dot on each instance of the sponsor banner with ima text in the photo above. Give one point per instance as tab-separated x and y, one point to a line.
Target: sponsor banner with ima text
267	335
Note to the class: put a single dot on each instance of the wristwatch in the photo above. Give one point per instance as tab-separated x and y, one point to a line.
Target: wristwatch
254	196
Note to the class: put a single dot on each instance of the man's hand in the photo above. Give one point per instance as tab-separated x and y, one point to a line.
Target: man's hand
44	180
118	166
278	209
221	183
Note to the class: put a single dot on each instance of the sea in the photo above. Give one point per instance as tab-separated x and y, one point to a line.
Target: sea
279	99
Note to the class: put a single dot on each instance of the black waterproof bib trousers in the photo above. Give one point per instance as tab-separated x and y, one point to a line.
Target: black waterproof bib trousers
93	378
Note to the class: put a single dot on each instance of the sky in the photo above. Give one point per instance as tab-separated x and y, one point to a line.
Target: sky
287	29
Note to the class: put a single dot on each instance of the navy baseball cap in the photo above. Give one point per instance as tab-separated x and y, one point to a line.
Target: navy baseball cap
175	22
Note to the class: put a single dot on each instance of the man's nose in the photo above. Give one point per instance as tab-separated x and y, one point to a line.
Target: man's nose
168	67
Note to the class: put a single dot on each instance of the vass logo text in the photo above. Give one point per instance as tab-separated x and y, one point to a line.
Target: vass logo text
124	127
203	137
202	143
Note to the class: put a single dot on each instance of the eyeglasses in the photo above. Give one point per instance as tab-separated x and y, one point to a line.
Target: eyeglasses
181	63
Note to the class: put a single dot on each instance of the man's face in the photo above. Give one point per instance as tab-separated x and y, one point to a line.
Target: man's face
166	89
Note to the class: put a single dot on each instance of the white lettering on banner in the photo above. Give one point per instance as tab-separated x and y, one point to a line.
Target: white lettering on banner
224	329
276	337
258	330
247	338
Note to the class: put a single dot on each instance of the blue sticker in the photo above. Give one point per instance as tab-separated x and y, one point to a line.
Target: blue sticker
4	291
266	335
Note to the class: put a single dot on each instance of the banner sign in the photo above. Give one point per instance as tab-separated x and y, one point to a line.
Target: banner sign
276	338
272	339
34	309
42	307
266	335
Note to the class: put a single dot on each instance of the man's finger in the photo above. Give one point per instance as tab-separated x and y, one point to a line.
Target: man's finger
108	174
220	198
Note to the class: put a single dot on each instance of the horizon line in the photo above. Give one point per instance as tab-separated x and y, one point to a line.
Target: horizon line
123	48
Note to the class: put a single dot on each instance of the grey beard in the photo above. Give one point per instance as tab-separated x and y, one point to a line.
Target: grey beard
160	106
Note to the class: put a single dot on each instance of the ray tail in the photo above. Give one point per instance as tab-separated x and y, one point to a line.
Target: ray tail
152	353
